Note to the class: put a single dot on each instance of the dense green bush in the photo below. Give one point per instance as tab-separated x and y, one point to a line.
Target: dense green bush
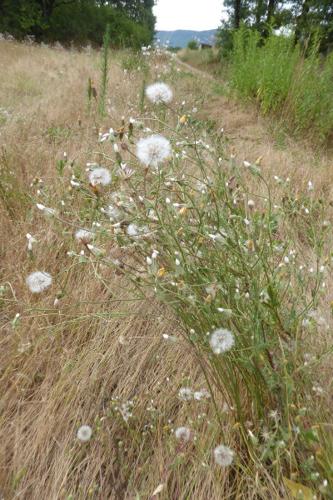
284	81
78	21
193	45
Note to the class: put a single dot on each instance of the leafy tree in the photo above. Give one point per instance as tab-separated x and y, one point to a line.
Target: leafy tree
132	23
193	45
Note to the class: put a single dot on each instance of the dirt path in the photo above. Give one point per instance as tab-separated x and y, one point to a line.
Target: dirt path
196	71
251	136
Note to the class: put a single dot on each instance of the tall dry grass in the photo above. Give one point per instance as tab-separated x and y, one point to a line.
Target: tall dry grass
76	364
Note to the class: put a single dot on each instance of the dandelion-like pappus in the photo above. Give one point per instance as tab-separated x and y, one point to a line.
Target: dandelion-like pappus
38	281
221	341
84	433
100	176
223	455
159	93
153	150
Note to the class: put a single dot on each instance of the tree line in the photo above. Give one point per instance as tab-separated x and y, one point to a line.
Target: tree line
303	18
80	21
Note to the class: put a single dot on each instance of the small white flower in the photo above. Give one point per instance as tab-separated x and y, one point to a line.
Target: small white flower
185	393
223	455
100	176
132	230
159	93
84	433
84	236
221	341
38	281
31	240
202	394
153	150
183	433
45	210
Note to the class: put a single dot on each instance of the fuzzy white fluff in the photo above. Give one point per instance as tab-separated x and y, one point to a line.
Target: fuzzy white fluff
153	150
100	176
84	236
159	93
221	341
38	281
183	433
223	455
84	433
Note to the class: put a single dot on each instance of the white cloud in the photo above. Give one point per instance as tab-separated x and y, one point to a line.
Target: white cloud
188	14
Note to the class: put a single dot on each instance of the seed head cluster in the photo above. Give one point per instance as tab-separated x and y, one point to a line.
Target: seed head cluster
221	341
159	93
153	150
38	281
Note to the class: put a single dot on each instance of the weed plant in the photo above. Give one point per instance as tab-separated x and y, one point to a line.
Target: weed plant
283	80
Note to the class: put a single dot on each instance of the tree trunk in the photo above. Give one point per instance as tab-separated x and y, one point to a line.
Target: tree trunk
301	20
270	10
238	7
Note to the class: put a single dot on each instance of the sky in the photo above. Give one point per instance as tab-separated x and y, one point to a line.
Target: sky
188	14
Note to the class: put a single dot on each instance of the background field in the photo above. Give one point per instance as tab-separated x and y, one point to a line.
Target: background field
78	361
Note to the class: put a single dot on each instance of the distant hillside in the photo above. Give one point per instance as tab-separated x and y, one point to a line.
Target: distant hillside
180	38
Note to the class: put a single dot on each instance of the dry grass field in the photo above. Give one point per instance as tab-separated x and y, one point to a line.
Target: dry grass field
87	351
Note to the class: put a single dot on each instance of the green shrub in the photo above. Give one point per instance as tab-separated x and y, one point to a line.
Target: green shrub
193	45
284	81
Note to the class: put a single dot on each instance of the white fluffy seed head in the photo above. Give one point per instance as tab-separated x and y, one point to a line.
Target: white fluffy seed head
38	281
223	455
159	93
183	433
221	341
84	433
185	393
84	236
132	230
153	150
100	176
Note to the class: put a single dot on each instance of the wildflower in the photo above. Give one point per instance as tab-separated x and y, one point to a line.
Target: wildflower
45	210
183	433
161	272
31	240
126	410
84	433
226	312
159	93
221	341
84	236
153	150
185	393
38	281
100	176
202	394
132	230
223	455
97	252
113	212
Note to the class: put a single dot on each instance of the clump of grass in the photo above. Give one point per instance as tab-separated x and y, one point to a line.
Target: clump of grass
283	80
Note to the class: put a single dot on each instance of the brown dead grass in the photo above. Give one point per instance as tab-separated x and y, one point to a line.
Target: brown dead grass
62	367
